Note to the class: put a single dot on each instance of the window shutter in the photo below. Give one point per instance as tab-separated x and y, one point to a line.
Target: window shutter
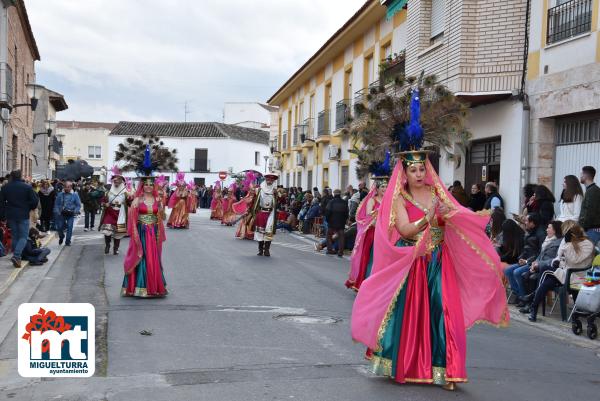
438	13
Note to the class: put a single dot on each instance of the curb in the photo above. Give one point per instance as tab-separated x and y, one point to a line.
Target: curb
24	264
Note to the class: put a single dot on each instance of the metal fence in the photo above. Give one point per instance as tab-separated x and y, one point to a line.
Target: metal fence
323	127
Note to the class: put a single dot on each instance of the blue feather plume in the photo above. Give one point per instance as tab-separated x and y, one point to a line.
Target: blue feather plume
410	136
382	169
147	167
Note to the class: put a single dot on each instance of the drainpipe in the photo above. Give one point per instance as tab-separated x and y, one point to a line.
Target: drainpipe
3	59
525	168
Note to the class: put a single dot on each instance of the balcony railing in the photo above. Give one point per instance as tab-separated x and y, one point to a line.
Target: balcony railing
56	146
569	19
309	129
298	130
361	95
284	140
392	66
6	85
342	113
199	165
323	126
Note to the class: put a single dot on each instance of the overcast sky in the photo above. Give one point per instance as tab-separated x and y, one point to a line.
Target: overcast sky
140	60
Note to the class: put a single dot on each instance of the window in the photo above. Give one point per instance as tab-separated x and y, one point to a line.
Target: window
438	14
94	152
309	182
201	160
386	50
568	19
345	177
257	158
299	179
369	75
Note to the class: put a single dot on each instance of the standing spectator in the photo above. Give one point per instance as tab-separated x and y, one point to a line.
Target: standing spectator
362	189
545	204
209	196
460	194
299	195
349	192
202	196
353	204
316	193
66	207
17	199
477	200
589	217
326	198
90	197
336	214
47	196
493	198
570	199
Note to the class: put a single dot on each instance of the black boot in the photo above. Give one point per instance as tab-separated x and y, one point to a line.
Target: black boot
107	244
267	247
117	242
261	246
533	313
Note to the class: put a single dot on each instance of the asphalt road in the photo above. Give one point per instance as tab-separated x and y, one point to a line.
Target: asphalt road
236	326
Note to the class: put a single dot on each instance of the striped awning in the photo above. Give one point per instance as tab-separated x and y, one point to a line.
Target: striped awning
393	7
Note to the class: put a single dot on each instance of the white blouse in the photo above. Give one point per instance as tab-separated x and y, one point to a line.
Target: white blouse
570	210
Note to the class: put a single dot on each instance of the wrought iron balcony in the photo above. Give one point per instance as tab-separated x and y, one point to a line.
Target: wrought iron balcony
274	143
323	126
199	165
342	113
569	19
309	130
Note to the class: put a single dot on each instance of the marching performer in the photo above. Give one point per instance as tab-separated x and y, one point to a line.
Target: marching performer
263	211
229	216
216	204
143	266
113	221
245	227
435	274
180	204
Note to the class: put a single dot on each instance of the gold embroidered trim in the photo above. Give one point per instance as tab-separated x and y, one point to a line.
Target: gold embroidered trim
147	219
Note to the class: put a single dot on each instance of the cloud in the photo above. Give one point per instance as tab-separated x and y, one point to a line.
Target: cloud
144	58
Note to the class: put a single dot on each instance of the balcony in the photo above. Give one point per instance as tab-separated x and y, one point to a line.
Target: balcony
274	145
342	113
284	140
309	132
299	130
6	85
361	95
569	19
56	146
200	166
323	126
392	66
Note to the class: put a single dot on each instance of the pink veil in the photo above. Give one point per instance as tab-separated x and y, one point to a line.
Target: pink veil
476	262
363	220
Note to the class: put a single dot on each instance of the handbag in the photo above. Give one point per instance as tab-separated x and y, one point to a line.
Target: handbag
67	213
561	274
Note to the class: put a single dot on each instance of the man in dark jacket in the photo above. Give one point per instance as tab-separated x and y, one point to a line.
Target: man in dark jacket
336	214
17	199
493	198
477	199
589	217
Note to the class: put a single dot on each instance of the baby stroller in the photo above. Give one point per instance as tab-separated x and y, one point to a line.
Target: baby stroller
587	305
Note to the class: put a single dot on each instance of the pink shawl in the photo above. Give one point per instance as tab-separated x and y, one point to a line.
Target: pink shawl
135	251
363	220
477	264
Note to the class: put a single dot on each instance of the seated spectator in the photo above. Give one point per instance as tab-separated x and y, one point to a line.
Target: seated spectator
290	224
349	238
494	228
32	252
534	238
576	251
513	241
544	260
313	212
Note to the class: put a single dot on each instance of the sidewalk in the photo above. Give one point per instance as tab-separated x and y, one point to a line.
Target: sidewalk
9	273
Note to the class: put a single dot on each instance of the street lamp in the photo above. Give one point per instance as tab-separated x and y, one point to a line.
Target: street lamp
266	158
33	100
50	125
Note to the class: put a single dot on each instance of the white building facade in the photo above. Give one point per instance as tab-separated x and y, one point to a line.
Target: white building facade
203	149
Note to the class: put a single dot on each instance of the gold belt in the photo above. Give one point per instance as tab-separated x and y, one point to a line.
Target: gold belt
437	237
148	218
266	209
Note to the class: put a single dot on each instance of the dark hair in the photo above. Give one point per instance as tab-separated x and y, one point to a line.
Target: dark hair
456	184
543	193
589	170
534	218
478	186
513	238
529	190
497	219
557	227
573	188
16	175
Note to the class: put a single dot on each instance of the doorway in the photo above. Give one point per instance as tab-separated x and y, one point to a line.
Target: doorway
483	163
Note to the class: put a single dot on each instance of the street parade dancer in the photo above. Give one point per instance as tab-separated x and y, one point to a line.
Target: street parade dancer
229	215
161	188
435	274
216	205
361	260
144	275
245	226
113	221
193	196
180	204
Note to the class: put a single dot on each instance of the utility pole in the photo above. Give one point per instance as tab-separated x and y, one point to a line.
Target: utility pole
186	111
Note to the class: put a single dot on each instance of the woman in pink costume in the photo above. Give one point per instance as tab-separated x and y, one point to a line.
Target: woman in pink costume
143	267
193	203
216	204
361	261
245	227
179	203
229	216
435	274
